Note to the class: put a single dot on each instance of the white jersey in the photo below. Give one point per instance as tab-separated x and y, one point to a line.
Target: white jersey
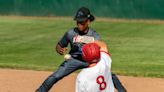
97	78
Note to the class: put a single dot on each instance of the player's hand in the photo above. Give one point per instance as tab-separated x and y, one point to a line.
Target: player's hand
64	50
61	50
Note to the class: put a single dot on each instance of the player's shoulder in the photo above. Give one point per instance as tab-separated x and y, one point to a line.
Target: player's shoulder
94	33
105	53
71	31
106	57
92	30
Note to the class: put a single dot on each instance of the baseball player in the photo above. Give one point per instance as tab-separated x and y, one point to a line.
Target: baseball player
76	37
97	77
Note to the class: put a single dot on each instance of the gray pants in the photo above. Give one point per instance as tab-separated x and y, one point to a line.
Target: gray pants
64	69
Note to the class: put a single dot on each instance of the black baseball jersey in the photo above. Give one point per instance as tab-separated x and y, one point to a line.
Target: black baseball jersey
76	47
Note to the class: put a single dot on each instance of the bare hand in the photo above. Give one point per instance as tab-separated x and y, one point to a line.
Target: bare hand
60	50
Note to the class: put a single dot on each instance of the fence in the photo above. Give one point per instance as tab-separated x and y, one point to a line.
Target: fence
143	9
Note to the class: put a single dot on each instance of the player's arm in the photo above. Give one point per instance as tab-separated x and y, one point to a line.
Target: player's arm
103	46
60	49
62	44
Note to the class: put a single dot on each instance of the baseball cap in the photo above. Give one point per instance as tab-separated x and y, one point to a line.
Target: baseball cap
83	14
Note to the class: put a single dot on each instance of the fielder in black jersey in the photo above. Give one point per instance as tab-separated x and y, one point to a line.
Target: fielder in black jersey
83	18
70	38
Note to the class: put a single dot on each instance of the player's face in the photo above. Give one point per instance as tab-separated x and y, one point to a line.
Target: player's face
82	25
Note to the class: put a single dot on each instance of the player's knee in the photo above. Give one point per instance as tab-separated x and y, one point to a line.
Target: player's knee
59	74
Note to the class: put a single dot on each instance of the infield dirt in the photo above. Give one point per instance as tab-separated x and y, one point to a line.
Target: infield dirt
28	81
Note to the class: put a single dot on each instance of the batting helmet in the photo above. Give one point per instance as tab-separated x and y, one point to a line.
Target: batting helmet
91	52
83	14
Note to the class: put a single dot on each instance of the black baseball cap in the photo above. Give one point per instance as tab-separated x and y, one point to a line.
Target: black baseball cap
83	14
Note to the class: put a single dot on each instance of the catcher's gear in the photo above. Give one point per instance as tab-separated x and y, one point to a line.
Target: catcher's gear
91	52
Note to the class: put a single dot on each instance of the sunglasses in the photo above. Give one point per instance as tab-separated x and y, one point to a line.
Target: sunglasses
81	22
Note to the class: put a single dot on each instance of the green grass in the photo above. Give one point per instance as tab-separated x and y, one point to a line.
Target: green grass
137	47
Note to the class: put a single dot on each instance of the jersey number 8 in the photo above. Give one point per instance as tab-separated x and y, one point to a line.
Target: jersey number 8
102	84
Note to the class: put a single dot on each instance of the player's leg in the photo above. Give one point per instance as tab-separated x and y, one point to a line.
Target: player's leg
117	84
64	69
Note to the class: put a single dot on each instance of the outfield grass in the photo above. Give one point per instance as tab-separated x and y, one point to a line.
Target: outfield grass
137	47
